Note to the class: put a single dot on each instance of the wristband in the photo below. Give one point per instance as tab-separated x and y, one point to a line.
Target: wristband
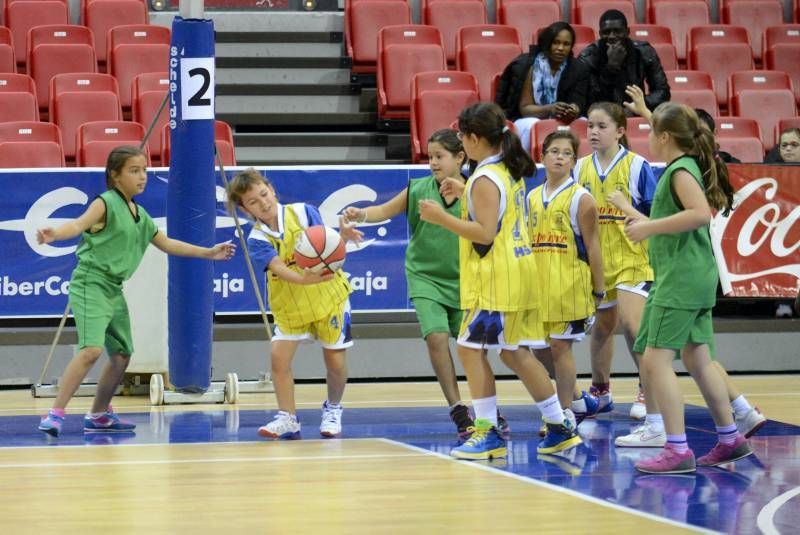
599	295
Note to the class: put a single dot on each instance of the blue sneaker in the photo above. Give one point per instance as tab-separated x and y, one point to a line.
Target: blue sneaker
559	437
485	443
108	422
605	399
585	406
51	424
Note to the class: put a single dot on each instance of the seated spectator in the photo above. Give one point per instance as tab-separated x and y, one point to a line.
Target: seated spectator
615	62
547	82
788	148
706	117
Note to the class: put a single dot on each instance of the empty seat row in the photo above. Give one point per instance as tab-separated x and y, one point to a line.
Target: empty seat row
37	144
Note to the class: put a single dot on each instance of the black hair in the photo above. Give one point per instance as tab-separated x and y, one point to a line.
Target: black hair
487	120
613	14
706	117
547	36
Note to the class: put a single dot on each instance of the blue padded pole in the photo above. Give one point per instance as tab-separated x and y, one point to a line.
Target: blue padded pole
191	202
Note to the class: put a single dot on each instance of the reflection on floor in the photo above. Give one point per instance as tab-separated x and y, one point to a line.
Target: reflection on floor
726	498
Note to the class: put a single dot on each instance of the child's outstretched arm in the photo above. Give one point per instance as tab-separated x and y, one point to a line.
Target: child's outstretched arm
221	251
93	215
348	230
387	210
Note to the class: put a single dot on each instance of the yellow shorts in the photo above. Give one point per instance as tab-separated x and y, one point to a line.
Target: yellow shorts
567	330
332	331
490	329
638	287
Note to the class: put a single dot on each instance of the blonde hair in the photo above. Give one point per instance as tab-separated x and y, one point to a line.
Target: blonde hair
693	137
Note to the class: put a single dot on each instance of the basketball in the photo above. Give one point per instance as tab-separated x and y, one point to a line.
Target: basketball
319	249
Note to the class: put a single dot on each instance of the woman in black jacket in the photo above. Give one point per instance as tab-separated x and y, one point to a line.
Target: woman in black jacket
547	82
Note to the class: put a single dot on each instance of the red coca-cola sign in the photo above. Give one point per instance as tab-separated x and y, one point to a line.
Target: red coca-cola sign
758	244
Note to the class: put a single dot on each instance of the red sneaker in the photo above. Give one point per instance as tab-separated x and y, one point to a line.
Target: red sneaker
726	453
668	461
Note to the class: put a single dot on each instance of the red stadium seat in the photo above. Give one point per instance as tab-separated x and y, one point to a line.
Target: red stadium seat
638	128
146	104
527	16
436	98
667	55
130	60
720	61
30	144
679	16
689	80
757	80
652	33
57	49
641	146
21	16
716	34
81	98
782	34
588	12
8	62
746	149
103	15
485	51
705	99
450	15
363	21
223	138
404	52
544	127
754	15
786	58
131	34
766	106
96	139
18	98
733	127
584	36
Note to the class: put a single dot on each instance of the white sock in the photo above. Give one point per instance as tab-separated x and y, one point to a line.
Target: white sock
655	421
551	410
486	409
579	405
740	406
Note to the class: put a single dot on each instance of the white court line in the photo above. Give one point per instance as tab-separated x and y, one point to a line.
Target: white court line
52	443
336	458
550	486
767	514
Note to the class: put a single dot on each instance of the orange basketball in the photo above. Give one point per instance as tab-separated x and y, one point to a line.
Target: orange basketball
319	249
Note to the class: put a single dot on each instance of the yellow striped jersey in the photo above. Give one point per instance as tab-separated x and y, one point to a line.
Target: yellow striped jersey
294	304
623	261
560	253
499	276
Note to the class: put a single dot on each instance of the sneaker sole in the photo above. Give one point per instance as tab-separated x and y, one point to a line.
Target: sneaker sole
328	434
679	471
497	453
563	445
731	460
286	436
96	430
620	445
50	431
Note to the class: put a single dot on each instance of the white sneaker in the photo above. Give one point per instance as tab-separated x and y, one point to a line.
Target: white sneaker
284	427
643	436
638	409
749	424
331	426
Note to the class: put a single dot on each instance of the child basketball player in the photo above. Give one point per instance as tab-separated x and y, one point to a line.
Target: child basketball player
305	304
115	232
497	270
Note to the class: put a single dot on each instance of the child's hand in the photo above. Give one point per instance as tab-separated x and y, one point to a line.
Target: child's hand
348	230
351	213
452	188
223	251
431	211
637	104
636	229
618	199
313	277
45	235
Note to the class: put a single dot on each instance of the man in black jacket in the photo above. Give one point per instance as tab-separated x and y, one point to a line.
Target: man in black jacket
616	61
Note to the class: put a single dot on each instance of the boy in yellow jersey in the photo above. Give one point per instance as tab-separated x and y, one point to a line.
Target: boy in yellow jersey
563	228
497	271
305	304
628	275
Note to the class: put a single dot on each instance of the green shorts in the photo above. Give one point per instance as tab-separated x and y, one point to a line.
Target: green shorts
435	317
101	314
674	328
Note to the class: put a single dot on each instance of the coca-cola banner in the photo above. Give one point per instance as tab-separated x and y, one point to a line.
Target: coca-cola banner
758	244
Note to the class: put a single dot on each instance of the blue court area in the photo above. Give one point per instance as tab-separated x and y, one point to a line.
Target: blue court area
727	499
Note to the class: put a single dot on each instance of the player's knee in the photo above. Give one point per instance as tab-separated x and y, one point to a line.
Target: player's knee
90	354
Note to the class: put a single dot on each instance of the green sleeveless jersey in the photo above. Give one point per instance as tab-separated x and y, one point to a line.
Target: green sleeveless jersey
685	270
432	253
115	251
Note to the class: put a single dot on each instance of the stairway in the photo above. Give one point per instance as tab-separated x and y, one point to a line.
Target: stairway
284	85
